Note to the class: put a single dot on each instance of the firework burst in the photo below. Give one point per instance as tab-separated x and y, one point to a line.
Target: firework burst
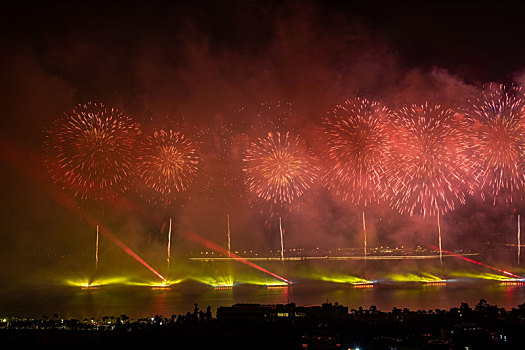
429	167
167	164
278	168
497	117
357	148
90	150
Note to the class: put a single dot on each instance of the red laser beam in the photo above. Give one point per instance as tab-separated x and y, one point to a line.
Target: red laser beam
14	155
476	262
128	250
70	204
209	244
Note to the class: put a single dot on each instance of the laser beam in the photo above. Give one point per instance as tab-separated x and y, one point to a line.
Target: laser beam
477	262
15	155
209	244
128	250
67	202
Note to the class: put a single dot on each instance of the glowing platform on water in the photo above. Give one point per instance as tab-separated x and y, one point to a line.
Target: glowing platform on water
327	257
90	286
436	283
278	286
220	286
161	286
514	282
368	284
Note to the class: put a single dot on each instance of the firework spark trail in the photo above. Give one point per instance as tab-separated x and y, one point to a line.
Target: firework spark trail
222	164
430	161
169	245
477	263
96	251
282	241
278	168
519	239
229	238
209	244
167	164
364	232
90	151
497	118
356	146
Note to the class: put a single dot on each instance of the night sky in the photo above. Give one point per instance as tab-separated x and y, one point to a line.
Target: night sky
199	62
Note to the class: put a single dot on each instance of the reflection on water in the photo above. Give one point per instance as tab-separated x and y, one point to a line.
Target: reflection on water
142	301
403	284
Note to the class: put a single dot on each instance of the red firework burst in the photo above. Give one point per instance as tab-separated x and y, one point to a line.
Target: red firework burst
278	168
429	167
167	164
497	117
357	147
90	150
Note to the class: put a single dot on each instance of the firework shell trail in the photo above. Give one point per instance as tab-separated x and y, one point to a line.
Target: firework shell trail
90	151
278	168
355	152
430	160
167	165
497	121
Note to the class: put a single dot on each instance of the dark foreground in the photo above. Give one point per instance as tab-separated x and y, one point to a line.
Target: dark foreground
253	326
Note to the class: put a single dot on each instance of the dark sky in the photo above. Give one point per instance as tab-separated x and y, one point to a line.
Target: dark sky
203	60
163	57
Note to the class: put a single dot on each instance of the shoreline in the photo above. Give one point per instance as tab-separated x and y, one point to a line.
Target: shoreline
283	326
